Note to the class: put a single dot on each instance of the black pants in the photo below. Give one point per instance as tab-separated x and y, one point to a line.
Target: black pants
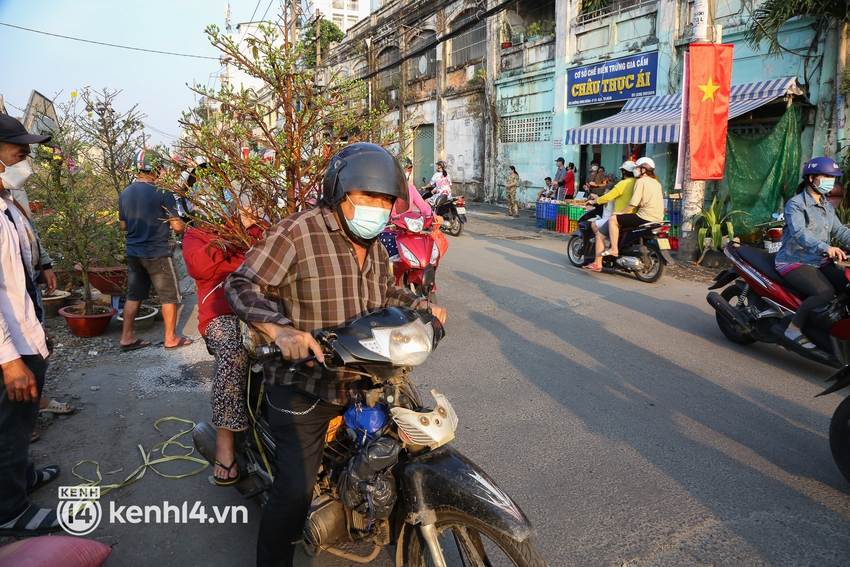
17	422
818	284
299	442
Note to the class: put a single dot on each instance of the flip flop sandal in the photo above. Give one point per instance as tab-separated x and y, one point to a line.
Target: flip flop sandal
184	341
609	253
44	476
33	521
35	437
58	408
229	481
594	267
134	346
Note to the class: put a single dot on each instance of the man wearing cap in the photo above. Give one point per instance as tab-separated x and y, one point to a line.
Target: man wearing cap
559	177
148	214
23	347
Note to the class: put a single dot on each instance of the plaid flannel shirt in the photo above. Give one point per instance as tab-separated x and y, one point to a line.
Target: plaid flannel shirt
305	273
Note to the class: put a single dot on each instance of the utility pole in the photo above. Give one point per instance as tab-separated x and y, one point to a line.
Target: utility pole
318	38
693	192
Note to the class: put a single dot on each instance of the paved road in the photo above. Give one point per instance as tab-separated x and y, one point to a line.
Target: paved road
614	412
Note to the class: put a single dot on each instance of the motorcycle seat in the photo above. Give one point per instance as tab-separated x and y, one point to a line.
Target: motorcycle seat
764	262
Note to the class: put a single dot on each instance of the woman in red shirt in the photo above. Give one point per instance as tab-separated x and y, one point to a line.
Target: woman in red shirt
570	181
209	260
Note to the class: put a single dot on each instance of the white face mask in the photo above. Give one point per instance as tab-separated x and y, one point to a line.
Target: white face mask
16	175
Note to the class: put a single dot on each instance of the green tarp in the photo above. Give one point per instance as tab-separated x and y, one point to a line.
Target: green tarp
761	172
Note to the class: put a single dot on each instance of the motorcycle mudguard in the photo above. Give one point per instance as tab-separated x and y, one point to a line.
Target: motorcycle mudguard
462	218
668	259
445	478
842	380
724	278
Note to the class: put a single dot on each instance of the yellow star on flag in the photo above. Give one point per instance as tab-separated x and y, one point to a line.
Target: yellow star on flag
708	90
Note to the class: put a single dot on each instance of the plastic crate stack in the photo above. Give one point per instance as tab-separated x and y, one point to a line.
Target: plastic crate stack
562	221
539	215
551	215
674	214
575	214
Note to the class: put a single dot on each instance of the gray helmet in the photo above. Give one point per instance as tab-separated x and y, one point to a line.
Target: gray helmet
363	167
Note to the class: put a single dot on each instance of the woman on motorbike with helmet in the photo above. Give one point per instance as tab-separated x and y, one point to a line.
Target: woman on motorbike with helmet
440	184
806	258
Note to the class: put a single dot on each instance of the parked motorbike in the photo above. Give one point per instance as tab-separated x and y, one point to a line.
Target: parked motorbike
757	304
644	251
453	211
839	425
411	248
388	476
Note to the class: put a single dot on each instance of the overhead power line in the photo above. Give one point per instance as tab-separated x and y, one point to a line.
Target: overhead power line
109	44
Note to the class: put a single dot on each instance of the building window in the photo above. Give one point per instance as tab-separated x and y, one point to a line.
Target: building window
338	21
390	78
424	65
352	5
527	128
352	21
338	4
470	45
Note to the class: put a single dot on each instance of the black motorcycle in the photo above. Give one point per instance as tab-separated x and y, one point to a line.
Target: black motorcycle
839	426
644	251
388	476
453	211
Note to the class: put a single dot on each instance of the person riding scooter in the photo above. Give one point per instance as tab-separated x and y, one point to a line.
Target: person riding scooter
617	199
806	259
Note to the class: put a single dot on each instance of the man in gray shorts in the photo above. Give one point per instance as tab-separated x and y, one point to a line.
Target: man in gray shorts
148	214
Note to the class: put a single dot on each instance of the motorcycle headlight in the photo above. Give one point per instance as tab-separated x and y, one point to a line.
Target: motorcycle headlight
415	224
435	253
408	345
408	255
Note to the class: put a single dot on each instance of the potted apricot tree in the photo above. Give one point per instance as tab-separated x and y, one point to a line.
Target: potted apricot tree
79	213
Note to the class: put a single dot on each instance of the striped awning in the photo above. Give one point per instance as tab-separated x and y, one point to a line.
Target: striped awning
656	120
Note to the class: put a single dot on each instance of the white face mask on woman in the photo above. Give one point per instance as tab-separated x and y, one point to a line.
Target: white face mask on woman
16	175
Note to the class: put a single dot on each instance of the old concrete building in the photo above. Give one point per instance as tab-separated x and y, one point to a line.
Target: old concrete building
491	84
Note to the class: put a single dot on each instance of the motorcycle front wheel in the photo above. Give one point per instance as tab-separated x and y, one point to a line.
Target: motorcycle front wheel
452	224
466	541
655	269
575	251
839	437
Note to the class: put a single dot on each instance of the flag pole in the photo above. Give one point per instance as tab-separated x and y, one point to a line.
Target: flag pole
693	192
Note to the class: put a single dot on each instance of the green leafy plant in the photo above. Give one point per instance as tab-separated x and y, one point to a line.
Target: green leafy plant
594	7
713	222
843	214
534	29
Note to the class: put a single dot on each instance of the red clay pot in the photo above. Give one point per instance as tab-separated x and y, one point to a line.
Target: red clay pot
108	281
87	325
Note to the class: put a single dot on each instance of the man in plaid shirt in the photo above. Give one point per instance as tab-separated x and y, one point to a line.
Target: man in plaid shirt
317	270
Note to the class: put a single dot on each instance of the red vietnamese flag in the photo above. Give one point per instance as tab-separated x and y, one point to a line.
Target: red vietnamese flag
708	115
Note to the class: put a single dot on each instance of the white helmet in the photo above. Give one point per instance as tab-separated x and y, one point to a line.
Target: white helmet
645	162
629	166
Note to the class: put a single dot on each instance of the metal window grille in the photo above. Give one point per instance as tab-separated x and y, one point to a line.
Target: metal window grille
471	44
595	11
337	20
426	64
352	21
391	77
338	4
527	128
352	5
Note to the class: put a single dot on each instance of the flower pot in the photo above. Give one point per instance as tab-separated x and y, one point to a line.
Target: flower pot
506	44
87	325
144	320
51	304
157	306
108	281
715	259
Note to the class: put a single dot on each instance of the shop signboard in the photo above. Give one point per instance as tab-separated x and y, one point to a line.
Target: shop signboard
620	79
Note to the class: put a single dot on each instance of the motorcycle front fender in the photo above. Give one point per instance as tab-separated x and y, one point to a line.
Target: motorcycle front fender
445	478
